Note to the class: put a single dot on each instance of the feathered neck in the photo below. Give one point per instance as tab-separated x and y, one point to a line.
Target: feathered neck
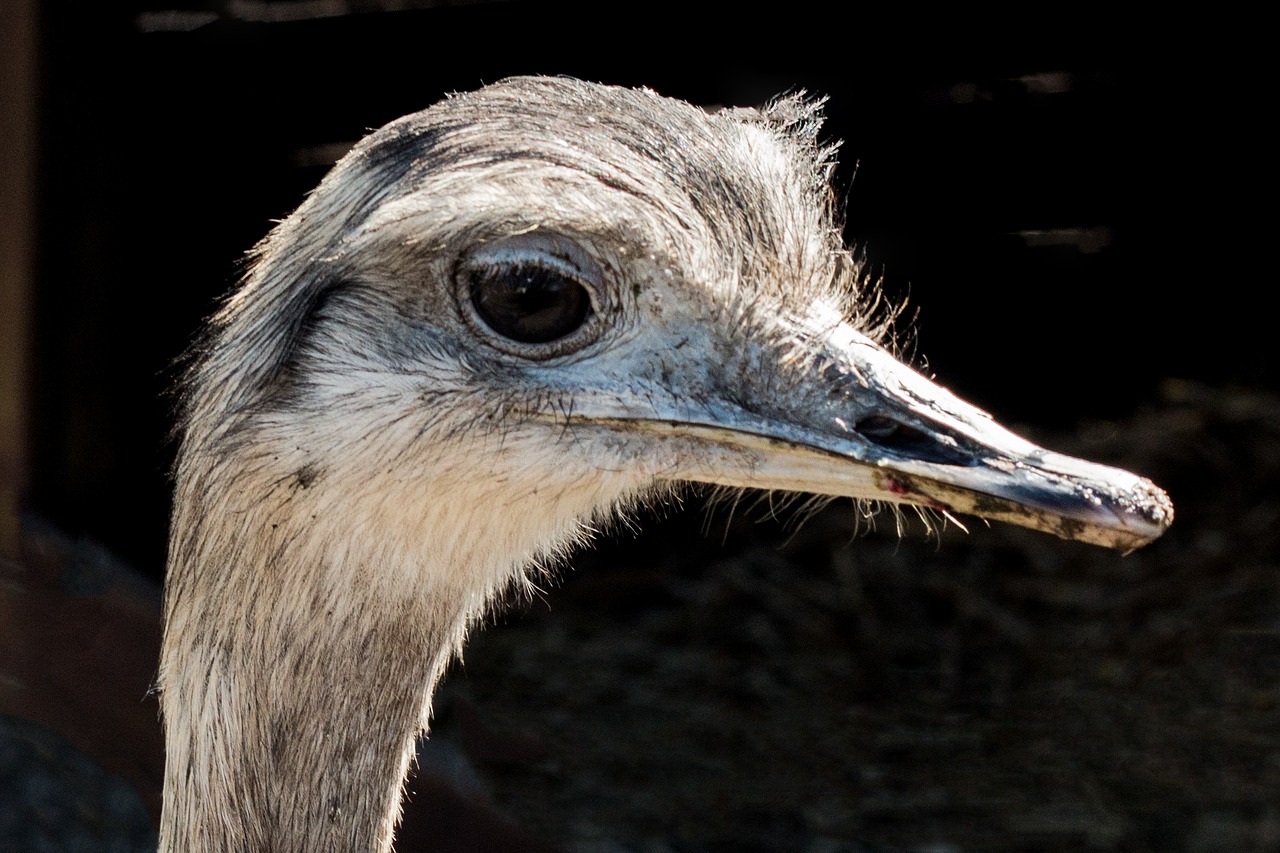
316	593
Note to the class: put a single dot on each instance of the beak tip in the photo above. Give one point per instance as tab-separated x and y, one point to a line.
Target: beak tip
1141	513
1118	510
1152	507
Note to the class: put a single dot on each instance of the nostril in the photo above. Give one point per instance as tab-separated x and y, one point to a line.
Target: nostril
911	442
877	427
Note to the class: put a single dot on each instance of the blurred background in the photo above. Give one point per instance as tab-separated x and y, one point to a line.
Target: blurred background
1066	199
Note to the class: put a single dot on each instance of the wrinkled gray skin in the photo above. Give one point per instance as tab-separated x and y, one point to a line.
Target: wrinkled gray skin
366	462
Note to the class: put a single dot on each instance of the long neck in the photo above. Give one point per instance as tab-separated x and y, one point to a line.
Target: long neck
314	596
297	741
297	670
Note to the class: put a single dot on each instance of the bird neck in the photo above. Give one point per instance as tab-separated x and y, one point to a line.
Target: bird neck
314	596
294	676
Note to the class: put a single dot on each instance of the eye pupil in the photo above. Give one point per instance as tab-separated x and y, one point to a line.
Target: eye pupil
529	303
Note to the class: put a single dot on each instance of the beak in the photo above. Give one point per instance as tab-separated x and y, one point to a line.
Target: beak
842	417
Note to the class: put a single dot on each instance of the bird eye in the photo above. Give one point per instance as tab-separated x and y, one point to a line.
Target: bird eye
533	295
528	302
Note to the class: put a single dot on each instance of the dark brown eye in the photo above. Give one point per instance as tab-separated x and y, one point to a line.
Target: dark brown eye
528	302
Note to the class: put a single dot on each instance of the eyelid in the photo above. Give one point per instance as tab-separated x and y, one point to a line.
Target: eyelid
541	248
517	262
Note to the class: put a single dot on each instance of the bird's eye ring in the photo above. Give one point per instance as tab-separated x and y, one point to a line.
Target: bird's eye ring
529	295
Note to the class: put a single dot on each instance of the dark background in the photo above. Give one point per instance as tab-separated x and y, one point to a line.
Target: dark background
1074	200
1057	191
1077	203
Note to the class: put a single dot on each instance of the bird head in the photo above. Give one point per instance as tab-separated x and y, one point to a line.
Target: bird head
530	303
